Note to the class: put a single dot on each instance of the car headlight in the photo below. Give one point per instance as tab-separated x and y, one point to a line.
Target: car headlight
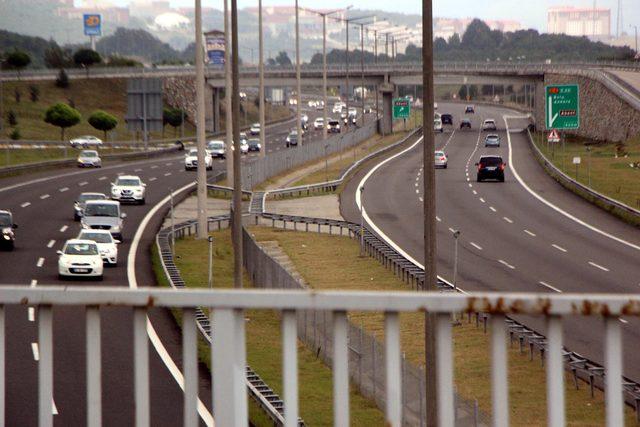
114	191
115	228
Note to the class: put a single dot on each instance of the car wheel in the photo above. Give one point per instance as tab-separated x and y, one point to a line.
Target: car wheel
142	202
100	278
502	179
11	246
61	277
478	179
445	166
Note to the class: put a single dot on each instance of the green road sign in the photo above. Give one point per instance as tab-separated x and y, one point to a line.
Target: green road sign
562	107
401	108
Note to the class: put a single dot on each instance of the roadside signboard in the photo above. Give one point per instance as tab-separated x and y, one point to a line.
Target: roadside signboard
577	160
554	136
92	24
401	108
215	47
562	107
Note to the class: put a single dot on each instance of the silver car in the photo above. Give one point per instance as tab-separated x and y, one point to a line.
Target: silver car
85	141
83	198
441	159
89	159
217	149
104	215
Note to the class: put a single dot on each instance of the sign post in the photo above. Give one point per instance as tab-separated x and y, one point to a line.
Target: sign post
92	27
401	108
577	161
562	110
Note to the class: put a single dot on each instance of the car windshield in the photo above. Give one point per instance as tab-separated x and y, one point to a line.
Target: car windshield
81	249
89	153
84	197
216	145
255	125
492	137
254	141
489	122
439	154
333	123
193	153
99	209
491	161
127	182
96	237
5	220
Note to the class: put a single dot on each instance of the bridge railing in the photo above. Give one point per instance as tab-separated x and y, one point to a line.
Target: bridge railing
227	308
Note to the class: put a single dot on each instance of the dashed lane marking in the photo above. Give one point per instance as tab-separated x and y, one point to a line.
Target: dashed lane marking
153	178
44	196
34	282
475	245
530	233
506	264
493	209
63	189
51	243
36	351
40	262
25	204
548	286
102	178
560	248
31	314
64	228
509	220
598	266
82	184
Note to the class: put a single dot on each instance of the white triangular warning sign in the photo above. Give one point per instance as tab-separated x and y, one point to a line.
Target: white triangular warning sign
554	136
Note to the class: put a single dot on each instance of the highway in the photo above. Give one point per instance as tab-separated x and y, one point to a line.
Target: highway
527	234
42	205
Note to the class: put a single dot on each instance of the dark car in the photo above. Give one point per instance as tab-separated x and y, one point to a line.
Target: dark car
491	167
469	109
254	144
492	140
465	123
333	126
447	119
7	227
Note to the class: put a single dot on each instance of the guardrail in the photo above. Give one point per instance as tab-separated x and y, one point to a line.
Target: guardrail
621	210
257	388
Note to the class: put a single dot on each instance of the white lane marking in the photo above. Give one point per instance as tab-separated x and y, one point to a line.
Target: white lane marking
36	351
44	196
506	264
598	266
623	320
63	189
475	193
553	288
151	332
31	314
530	233
475	245
137	170
551	205
34	282
54	408
167	174
153	178
25	204
470	185
493	209
63	228
421	199
417	191
509	220
439	220
154	167
416	184
560	248
83	183
482	200
168	164
51	243
40	262
468	181
102	178
452	230
120	173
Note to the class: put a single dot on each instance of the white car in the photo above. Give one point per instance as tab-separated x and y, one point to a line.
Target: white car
320	105
437	125
255	129
217	149
244	147
85	141
489	124
440	159
129	188
80	258
318	123
311	104
191	160
89	159
107	245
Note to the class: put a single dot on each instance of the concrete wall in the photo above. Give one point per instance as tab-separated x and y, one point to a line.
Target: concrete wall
180	92
604	116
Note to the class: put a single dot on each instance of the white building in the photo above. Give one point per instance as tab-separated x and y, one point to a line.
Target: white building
579	22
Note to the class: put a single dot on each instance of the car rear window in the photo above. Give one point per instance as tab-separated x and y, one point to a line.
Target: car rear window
491	161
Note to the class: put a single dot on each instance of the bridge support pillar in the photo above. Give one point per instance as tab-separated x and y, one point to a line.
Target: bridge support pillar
215	113
386	123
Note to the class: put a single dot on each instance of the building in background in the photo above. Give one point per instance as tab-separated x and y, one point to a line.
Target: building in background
589	22
113	15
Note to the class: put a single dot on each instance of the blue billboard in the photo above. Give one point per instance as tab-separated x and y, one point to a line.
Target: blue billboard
92	24
215	47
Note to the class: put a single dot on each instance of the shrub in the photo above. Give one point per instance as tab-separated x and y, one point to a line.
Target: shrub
62	81
11	118
34	93
62	116
15	134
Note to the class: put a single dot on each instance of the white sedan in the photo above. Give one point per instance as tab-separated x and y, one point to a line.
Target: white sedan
89	159
440	159
255	129
107	245
318	123
191	160
129	188
80	258
85	141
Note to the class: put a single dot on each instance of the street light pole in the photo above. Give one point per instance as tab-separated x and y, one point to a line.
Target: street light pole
361	222
636	34
210	262
263	130
299	86
227	98
361	69
200	127
456	235
237	183
432	398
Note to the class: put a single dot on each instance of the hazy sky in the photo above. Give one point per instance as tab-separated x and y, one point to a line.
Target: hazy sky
531	13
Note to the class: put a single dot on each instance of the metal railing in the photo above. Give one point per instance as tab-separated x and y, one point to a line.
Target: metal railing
227	317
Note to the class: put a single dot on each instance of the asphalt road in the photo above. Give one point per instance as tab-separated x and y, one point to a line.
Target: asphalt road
42	205
510	240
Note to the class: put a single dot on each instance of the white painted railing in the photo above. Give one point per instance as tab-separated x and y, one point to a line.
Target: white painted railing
228	346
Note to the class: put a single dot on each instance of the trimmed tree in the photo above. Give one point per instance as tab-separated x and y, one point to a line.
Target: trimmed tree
172	117
17	60
86	58
62	116
101	120
62	81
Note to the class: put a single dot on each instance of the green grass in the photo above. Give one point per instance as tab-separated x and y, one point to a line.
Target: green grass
264	352
343	269
610	175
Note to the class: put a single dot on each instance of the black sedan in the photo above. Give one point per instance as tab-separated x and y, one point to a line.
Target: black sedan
491	167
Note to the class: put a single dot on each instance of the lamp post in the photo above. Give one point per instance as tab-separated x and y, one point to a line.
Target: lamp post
237	185
210	262
456	235
362	25
263	130
635	27
361	221
200	127
589	166
227	98
298	85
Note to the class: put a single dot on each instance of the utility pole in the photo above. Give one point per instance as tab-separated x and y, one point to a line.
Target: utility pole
299	86
263	130
237	183
227	97
429	183
362	69
200	128
636	33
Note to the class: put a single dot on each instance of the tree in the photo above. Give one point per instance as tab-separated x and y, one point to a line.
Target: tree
172	117
86	58
101	120
17	60
62	116
17	95
473	92
34	93
15	134
11	118
62	81
57	57
283	59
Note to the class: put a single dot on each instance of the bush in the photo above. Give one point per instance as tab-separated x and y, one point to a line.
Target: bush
17	95
15	134
34	93
11	118
62	81
62	116
86	58
17	60
103	121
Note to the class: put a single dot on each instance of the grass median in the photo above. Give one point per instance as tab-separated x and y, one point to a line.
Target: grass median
22	156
